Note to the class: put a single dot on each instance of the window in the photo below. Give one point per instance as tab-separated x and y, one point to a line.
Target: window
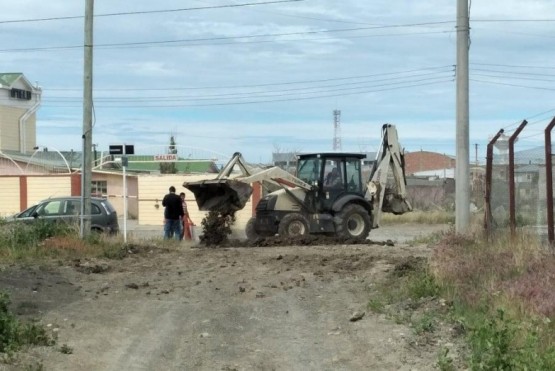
49	208
95	209
334	178
309	170
99	188
353	175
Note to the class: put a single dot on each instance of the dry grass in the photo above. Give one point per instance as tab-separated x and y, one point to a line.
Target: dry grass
503	289
419	217
517	275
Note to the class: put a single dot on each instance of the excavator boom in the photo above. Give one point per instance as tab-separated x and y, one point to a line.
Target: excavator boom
387	187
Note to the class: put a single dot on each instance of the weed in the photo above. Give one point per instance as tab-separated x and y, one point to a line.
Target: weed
422	284
445	362
426	323
38	366
66	349
376	305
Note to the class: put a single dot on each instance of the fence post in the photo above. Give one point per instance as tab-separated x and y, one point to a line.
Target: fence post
512	197
489	168
549	182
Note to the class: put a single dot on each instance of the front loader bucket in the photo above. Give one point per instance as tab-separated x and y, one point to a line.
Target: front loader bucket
223	195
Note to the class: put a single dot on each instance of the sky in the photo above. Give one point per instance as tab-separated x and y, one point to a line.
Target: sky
261	76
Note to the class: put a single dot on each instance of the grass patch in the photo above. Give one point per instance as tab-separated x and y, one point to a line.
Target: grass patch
502	290
497	295
15	334
42	239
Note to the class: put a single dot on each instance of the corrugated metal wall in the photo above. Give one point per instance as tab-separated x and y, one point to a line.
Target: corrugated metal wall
9	197
152	189
40	187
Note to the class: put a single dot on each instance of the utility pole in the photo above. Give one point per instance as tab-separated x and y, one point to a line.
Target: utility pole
86	166
476	149
462	181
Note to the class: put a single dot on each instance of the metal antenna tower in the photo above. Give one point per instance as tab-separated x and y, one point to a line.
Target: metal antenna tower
337	130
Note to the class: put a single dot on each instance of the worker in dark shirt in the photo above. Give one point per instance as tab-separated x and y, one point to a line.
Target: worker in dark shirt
172	215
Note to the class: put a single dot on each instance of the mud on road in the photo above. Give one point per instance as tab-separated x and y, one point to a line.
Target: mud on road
239	308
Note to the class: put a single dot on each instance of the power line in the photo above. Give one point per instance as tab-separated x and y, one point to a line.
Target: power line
264	94
512	72
273	100
515	85
513	20
148	12
451	67
513	77
228	38
512	66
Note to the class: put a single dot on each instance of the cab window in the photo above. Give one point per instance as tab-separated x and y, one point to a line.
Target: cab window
354	183
309	170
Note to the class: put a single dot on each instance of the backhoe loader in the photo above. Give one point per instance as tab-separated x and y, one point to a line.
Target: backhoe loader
327	195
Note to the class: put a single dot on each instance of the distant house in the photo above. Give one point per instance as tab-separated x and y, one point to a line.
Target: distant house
19	102
425	161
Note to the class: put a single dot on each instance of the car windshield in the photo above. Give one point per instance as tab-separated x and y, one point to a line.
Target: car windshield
27	213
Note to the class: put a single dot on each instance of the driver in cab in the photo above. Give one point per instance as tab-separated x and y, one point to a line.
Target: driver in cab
333	179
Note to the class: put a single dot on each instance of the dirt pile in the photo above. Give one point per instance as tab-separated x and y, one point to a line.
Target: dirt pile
308	240
216	228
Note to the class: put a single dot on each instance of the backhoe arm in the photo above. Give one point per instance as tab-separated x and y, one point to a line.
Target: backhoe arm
387	187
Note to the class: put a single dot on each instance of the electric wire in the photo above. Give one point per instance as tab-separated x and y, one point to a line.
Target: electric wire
147	12
513	77
211	40
142	106
511	65
259	95
450	66
382	79
515	85
512	72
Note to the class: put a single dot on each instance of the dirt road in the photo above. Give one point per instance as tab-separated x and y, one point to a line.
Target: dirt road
275	308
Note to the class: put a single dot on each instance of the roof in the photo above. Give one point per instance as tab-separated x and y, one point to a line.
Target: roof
527	169
440	173
333	154
183	166
94	198
7	79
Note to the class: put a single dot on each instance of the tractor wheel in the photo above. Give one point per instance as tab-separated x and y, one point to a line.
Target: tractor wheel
352	222
251	233
293	225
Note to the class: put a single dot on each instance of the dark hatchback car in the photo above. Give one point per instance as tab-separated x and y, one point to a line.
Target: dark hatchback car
103	215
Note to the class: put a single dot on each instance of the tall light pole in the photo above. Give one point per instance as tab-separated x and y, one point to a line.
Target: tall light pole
462	181
86	166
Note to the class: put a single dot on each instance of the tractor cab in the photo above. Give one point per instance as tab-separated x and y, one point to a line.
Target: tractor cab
333	176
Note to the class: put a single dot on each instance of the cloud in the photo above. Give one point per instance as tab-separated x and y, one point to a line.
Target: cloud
252	94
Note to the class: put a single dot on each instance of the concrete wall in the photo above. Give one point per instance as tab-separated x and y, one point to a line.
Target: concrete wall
9	127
